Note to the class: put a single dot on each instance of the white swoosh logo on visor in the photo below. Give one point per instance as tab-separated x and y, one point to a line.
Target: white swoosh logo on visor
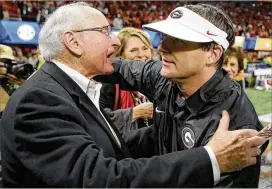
159	111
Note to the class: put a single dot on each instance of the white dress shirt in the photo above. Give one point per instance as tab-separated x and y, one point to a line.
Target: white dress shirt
90	87
215	166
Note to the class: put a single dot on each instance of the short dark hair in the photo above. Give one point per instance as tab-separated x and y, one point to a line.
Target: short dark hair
218	18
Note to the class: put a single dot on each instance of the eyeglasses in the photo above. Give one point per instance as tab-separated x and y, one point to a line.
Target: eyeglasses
104	29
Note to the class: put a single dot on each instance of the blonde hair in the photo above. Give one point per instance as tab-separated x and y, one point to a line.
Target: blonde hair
128	32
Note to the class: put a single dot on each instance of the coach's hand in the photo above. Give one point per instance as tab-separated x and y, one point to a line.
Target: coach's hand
234	150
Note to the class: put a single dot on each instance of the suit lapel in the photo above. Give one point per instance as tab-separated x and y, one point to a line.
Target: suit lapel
80	97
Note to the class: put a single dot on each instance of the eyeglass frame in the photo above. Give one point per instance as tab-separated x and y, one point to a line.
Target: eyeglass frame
108	27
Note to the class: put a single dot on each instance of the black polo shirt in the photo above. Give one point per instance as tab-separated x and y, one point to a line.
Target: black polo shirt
187	123
190	123
183	124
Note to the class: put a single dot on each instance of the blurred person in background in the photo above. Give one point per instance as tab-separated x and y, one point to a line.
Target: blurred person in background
32	59
9	82
131	110
118	22
234	64
19	56
41	16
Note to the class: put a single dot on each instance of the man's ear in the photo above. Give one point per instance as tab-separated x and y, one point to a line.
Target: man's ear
70	40
215	55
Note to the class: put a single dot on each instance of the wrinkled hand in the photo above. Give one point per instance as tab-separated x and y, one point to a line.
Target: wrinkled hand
144	111
13	79
234	150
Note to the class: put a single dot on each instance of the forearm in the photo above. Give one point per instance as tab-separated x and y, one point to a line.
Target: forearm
135	76
142	142
87	166
122	118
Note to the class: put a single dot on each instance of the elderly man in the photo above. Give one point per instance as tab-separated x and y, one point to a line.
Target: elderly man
54	134
189	88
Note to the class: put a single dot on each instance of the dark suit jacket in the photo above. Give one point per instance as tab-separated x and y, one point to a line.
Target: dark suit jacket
53	136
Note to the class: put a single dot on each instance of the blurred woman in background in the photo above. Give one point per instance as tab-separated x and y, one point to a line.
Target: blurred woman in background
234	64
129	110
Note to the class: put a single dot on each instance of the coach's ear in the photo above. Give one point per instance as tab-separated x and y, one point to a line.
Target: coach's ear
72	43
214	55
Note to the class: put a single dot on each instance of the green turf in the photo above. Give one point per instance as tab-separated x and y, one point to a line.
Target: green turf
261	100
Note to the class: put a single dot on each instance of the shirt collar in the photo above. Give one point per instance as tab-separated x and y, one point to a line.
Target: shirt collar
83	82
197	100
